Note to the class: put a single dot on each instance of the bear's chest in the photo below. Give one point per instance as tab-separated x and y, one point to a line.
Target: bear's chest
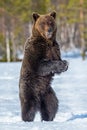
51	53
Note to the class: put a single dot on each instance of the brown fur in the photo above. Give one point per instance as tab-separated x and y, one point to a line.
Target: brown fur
41	52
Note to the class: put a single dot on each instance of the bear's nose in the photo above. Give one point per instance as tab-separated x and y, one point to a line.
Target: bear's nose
49	30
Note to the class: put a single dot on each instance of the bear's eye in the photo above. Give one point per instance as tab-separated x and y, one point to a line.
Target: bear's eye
51	23
43	23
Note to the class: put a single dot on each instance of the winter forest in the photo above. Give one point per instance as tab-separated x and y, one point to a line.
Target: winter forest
16	24
70	87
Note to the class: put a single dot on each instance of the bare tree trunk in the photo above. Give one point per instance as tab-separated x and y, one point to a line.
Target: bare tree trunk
82	28
14	48
67	35
7	47
30	28
71	31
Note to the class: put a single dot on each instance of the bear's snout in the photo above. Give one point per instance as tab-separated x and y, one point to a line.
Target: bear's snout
50	30
48	34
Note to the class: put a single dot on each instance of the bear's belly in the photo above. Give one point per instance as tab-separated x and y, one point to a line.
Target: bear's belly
43	84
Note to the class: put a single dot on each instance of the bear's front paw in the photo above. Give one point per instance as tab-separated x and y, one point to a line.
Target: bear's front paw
61	66
65	64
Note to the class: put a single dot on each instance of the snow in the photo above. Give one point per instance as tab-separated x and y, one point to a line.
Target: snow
70	88
75	52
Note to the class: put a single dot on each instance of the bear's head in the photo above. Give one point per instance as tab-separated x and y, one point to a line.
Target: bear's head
45	25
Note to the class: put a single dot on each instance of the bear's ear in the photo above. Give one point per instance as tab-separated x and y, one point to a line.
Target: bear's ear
53	14
35	16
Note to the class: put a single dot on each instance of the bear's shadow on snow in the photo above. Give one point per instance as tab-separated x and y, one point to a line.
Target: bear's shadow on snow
78	116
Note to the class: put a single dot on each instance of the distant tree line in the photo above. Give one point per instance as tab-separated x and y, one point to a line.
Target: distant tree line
16	24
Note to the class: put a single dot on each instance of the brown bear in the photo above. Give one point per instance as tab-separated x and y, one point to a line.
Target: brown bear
41	61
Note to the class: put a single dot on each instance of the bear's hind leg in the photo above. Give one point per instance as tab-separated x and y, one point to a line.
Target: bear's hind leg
28	102
49	106
28	112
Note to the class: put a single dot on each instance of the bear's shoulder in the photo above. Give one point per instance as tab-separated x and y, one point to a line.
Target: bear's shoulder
29	43
35	43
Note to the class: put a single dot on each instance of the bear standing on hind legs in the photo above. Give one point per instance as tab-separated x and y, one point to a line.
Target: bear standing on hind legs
41	61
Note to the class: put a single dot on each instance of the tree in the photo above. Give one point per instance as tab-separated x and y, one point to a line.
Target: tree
16	21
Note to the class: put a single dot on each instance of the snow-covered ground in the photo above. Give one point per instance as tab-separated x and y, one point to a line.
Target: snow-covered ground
70	88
